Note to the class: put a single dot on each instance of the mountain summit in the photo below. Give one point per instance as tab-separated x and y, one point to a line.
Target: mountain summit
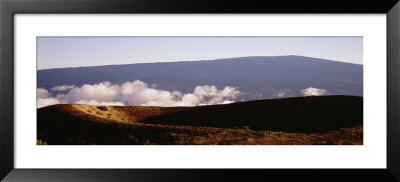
258	77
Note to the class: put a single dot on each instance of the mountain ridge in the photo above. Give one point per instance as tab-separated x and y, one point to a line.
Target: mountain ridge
259	77
217	59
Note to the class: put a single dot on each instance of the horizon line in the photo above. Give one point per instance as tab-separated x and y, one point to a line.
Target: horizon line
216	59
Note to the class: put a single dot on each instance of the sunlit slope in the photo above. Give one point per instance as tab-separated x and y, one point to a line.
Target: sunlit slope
298	121
300	114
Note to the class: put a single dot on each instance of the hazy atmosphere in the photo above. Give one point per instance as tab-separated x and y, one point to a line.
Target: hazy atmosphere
237	69
61	52
199	91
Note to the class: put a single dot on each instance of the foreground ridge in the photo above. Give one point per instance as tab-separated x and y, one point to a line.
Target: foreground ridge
299	120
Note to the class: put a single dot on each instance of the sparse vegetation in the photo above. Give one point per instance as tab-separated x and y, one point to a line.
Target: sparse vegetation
129	125
247	128
40	142
297	114
103	108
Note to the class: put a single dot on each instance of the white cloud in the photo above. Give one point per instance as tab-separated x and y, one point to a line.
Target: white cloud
42	93
310	91
94	102
132	87
42	102
283	93
63	88
102	92
139	93
44	99
211	95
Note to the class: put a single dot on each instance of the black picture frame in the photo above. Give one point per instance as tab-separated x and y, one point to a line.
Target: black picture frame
8	8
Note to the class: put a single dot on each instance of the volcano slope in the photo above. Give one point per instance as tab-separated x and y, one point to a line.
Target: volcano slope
287	121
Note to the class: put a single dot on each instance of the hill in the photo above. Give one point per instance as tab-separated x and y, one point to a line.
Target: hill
257	77
302	120
301	114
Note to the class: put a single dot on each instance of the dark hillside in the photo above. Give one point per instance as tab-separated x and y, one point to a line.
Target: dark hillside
299	121
300	114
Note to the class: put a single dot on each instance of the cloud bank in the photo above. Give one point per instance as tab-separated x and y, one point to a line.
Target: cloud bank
135	93
44	99
310	91
63	88
284	93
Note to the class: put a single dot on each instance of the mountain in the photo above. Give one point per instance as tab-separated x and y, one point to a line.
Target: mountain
300	120
257	77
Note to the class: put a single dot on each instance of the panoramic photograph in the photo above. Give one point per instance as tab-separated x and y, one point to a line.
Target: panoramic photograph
199	90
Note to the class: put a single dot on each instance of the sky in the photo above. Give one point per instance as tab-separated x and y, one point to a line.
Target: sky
62	52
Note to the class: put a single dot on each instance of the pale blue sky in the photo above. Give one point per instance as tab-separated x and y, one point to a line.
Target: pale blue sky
61	52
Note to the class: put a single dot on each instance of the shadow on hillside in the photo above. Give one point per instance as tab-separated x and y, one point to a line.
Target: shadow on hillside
299	114
58	125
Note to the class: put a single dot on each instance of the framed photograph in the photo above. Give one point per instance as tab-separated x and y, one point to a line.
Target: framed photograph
202	90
